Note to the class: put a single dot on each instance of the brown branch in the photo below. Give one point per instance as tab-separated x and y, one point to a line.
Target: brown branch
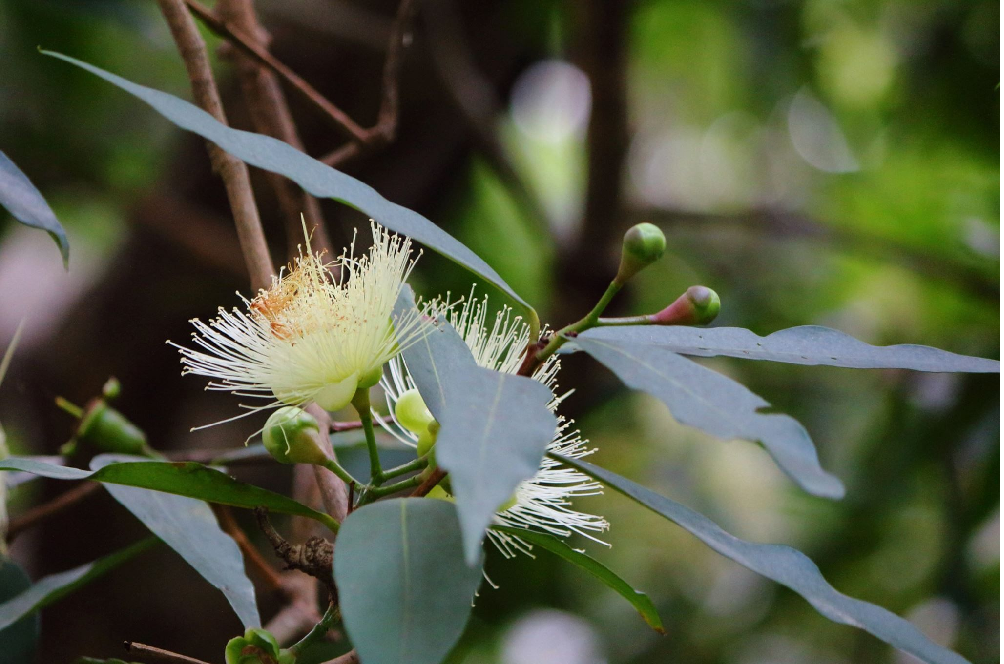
313	557
271	116
159	655
430	482
251	553
301	614
233	171
249	45
36	515
385	129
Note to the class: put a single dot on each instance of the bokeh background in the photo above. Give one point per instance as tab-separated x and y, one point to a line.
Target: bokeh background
814	161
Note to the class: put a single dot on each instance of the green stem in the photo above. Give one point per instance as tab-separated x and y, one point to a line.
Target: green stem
415	464
361	402
628	320
589	320
71	408
380	492
317	632
337	469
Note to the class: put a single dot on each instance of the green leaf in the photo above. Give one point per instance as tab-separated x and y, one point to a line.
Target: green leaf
20	639
183	479
784	565
702	398
54	587
493	427
806	344
404	588
313	176
189	527
638	599
24	201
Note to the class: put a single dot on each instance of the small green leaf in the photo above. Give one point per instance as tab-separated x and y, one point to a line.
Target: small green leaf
494	427
404	588
25	202
806	344
784	565
638	599
182	479
313	176
189	527
54	587
20	639
702	398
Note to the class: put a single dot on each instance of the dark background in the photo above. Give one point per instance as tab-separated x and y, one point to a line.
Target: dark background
813	161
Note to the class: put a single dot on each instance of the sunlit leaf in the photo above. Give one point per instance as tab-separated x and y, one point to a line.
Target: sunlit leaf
494	427
638	599
54	587
315	177
189	527
702	398
806	344
20	639
183	479
784	565
404	587
24	201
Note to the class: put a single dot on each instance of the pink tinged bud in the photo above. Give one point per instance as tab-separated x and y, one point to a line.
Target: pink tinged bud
698	306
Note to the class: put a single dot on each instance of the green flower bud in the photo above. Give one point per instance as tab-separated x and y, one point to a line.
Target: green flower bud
106	429
289	436
698	306
411	412
257	646
644	244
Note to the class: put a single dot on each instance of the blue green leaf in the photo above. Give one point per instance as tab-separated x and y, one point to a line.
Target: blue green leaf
19	639
25	202
806	344
702	398
404	588
189	527
313	176
784	565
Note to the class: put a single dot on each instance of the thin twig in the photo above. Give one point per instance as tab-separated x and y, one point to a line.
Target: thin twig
425	487
233	171
271	116
385	129
250	46
251	553
36	515
159	655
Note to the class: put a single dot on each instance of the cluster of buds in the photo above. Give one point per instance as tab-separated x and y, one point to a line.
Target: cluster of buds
257	646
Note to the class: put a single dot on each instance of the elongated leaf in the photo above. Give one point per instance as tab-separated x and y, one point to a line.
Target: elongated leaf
189	527
806	344
404	588
54	587
315	177
702	398
784	565
494	427
182	479
19	640
638	599
25	202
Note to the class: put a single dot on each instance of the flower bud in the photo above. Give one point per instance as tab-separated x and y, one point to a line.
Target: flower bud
411	412
257	646
644	244
290	437
106	429
698	306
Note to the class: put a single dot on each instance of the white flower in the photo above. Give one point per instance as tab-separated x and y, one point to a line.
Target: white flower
542	502
310	337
